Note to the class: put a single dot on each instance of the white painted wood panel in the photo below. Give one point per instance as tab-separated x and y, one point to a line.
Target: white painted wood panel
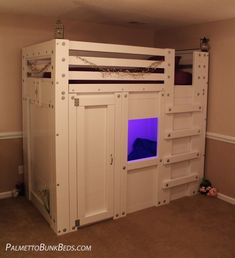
95	151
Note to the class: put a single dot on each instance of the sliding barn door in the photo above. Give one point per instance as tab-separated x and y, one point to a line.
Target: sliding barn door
94	157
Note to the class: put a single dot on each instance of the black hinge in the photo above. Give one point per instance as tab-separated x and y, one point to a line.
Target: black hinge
77	223
76	102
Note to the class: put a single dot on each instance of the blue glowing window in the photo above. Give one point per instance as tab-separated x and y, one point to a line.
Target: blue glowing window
142	138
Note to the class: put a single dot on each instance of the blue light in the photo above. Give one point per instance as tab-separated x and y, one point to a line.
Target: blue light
142	138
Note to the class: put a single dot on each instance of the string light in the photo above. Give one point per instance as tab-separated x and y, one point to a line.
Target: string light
110	72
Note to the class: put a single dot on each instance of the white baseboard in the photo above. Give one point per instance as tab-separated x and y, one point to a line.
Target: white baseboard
226	198
11	135
221	137
5	195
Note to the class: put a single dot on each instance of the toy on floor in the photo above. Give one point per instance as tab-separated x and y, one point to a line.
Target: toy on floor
206	188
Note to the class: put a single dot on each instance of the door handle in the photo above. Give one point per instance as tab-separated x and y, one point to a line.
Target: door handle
111	159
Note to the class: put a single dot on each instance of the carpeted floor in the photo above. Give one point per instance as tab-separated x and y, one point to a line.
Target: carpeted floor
190	227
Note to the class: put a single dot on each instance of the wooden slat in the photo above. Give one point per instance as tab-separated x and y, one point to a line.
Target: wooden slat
82	88
180	181
87	75
113	48
183	109
116	62
182	133
180	157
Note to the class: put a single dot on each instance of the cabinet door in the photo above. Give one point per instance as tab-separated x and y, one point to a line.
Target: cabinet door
95	147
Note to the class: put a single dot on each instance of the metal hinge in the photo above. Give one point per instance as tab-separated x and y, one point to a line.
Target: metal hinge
76	102
77	223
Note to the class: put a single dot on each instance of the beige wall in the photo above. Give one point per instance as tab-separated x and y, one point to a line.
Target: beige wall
17	32
220	166
220	156
10	159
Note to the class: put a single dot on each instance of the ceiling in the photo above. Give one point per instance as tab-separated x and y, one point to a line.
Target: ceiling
153	13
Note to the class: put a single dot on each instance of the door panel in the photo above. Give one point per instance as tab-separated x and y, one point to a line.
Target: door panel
95	151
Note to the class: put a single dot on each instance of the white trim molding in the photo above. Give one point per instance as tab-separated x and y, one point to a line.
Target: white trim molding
10	135
5	195
221	137
226	198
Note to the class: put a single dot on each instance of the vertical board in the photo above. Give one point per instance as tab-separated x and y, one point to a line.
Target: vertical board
60	79
166	124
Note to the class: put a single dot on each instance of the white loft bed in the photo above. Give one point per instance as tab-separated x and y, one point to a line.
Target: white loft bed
79	102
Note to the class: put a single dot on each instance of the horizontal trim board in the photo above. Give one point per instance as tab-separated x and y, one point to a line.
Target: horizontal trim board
114	48
10	135
116	62
226	198
180	181
220	137
95	101
137	164
5	195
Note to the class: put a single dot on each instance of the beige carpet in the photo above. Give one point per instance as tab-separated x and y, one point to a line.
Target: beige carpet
190	227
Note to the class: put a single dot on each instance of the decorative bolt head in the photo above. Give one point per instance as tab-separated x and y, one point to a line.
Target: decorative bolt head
123	213
63	59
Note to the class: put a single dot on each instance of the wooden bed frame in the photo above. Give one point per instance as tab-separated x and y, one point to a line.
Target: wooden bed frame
77	100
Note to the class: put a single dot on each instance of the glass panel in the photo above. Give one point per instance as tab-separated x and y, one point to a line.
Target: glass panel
142	138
